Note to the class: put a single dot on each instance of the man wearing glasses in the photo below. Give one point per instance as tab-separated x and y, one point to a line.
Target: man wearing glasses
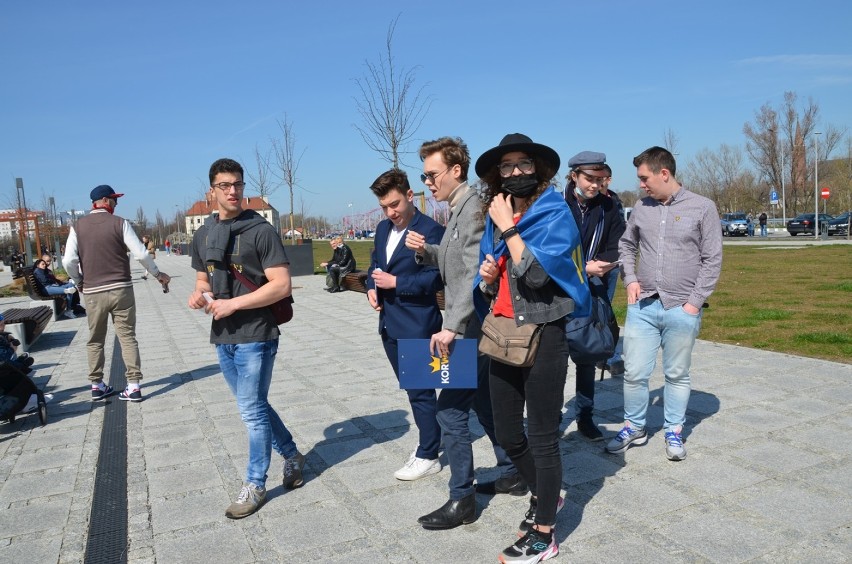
445	165
244	329
98	246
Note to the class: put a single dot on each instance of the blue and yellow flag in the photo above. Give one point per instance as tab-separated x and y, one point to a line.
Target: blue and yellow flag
550	233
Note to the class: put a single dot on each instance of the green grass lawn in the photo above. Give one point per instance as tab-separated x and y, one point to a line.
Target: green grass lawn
796	301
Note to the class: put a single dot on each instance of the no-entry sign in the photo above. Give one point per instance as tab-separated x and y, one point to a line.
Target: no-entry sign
825	193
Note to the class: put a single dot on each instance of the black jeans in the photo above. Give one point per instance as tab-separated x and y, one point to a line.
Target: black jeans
584	397
541	388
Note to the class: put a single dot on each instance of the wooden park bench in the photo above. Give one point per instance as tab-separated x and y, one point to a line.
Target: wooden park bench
356	281
38	295
27	325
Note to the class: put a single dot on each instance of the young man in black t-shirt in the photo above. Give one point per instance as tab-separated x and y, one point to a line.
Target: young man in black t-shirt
244	329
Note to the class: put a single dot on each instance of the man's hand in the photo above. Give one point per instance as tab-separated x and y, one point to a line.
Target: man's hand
690	309
196	300
323	264
439	344
222	308
633	290
384	280
415	241
373	298
164	280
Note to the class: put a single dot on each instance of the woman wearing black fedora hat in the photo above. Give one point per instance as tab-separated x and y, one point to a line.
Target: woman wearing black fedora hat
533	273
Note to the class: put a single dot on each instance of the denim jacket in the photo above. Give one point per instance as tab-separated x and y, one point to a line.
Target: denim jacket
535	297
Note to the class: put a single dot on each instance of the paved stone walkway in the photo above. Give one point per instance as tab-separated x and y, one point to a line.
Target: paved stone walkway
767	478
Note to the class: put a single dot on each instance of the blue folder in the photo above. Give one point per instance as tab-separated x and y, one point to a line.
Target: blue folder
419	370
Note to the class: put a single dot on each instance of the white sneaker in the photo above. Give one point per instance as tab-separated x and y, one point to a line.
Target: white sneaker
415	468
70	314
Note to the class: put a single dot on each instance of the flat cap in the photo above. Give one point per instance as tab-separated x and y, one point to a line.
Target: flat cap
587	160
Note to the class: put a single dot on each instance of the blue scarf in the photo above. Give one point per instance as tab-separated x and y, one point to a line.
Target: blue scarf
550	233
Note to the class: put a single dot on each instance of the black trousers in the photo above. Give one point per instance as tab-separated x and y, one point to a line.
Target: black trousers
541	389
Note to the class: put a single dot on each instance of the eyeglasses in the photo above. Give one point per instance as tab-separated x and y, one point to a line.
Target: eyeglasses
432	176
225	186
524	165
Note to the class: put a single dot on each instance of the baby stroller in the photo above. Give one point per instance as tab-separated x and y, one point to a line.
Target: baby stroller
15	391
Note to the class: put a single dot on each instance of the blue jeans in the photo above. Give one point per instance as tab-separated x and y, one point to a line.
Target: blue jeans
247	368
611	279
648	328
453	416
763	230
59	290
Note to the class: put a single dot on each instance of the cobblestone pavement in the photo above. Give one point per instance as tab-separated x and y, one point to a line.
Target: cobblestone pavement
767	478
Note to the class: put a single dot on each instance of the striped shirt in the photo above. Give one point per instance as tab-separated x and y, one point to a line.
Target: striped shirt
673	249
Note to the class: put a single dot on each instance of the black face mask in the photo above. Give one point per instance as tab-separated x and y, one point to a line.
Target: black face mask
521	186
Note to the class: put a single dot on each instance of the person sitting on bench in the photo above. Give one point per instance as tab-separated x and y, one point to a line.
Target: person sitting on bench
54	287
341	263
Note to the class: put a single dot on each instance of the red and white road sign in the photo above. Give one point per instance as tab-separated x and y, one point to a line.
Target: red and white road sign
825	193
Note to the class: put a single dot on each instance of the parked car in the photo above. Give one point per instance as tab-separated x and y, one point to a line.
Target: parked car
804	223
734	224
839	225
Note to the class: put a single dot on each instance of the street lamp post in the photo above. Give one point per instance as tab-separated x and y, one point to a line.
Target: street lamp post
816	184
783	191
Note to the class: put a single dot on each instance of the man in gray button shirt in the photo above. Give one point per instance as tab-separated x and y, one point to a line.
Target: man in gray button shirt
671	258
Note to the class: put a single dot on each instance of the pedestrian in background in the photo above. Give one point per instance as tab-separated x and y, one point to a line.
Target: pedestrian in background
96	260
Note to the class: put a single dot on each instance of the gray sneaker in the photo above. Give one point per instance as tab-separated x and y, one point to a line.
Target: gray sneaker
251	499
293	471
627	437
674	445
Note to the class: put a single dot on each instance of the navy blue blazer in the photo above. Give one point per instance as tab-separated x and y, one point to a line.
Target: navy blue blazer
409	311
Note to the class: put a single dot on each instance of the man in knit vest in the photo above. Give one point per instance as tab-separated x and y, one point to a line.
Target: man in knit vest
96	260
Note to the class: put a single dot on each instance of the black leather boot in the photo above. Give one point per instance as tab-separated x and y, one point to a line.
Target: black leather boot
588	428
512	485
451	514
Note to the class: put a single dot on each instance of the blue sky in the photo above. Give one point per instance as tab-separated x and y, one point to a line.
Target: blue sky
144	96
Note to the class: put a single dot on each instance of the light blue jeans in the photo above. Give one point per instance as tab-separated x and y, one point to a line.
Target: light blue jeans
648	328
59	290
247	369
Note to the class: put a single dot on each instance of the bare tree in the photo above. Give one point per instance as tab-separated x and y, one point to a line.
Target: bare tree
141	220
260	179
786	137
284	150
722	177
161	226
390	105
670	141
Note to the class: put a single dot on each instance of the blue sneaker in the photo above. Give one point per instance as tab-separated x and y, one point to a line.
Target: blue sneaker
674	445
101	392
625	438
